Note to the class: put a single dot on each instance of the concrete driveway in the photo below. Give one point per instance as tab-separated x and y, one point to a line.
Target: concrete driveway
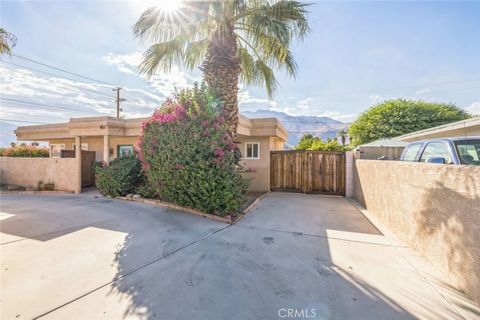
293	256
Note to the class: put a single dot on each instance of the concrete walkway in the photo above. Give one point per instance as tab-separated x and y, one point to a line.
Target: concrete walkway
82	257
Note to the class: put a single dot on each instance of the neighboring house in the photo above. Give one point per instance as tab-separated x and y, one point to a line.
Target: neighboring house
113	137
391	149
388	149
464	128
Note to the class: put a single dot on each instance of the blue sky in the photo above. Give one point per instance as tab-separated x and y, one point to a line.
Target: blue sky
358	54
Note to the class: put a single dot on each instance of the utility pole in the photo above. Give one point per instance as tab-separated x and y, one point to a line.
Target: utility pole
118	100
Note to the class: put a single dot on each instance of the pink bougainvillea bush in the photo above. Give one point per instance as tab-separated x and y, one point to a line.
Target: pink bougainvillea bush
24	150
188	155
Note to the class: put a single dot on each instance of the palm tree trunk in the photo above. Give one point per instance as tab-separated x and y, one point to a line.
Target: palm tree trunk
221	71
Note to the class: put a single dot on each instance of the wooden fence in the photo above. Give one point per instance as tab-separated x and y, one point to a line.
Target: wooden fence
307	171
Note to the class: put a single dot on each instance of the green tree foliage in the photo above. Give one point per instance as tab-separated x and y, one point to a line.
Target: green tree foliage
309	142
230	40
396	117
189	156
121	177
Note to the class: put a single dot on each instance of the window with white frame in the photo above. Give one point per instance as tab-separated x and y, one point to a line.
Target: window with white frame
252	150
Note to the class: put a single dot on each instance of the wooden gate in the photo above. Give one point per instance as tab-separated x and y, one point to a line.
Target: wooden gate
88	159
88	176
307	171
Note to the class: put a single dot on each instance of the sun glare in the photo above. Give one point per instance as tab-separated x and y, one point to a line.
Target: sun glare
169	6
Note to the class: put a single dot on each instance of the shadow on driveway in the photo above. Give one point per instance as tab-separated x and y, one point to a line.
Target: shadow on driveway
313	255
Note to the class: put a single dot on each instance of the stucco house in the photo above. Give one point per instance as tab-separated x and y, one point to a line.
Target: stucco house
463	128
112	137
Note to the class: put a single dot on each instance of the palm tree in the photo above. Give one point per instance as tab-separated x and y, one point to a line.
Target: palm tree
343	134
229	40
7	42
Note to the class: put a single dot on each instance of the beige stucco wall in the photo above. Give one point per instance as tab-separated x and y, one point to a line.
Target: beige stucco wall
434	208
27	172
258	170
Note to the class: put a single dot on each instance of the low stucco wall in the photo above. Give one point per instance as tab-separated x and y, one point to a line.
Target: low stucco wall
27	172
434	208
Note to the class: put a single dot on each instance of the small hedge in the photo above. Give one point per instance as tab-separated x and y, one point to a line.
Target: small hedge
121	177
25	151
189	156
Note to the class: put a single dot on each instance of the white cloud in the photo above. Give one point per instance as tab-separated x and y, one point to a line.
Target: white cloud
53	99
423	91
247	100
164	83
345	117
375	98
305	104
131	60
474	108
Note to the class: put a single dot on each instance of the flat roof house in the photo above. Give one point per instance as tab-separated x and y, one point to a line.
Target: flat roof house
111	137
463	128
392	148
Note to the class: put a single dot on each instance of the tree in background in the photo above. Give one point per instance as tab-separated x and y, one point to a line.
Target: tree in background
230	40
396	117
7	42
309	142
343	134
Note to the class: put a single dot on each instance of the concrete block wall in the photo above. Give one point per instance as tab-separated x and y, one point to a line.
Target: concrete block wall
434	208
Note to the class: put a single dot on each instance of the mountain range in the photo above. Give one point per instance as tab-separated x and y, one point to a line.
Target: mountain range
297	126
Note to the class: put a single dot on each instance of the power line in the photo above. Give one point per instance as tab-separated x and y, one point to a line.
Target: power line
58	76
8	111
35	115
43	105
63	70
23	121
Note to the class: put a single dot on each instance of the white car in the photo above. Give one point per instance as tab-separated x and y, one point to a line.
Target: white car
461	150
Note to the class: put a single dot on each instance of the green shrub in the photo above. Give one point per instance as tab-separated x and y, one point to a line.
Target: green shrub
189	157
121	177
24	150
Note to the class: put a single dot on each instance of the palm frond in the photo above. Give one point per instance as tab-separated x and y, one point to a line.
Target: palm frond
162	56
256	72
7	41
266	73
195	53
156	25
274	17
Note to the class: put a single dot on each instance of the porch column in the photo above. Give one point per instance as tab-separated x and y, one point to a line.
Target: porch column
78	164
106	149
